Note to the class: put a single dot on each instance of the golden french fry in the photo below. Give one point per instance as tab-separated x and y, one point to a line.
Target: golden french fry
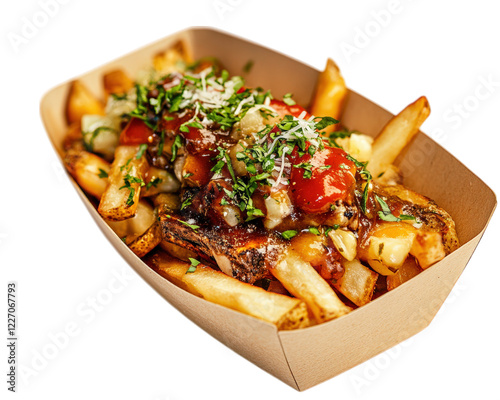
330	94
283	311
357	283
173	59
147	241
396	134
89	170
116	82
303	282
81	101
119	201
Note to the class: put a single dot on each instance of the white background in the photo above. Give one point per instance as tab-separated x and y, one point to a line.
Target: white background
138	346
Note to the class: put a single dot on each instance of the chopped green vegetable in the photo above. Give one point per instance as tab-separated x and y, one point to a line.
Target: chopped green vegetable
289	234
192	267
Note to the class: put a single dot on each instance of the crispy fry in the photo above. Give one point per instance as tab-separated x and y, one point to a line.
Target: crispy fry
302	281
89	170
330	94
119	201
357	283
173	59
283	311
147	241
116	82
396	134
81	101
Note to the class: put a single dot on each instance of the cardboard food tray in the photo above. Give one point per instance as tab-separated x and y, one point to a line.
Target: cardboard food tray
306	357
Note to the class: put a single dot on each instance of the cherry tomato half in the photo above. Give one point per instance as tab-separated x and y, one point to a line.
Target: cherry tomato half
136	132
323	179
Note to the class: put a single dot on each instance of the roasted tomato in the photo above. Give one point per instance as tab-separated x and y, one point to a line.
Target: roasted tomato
136	132
319	181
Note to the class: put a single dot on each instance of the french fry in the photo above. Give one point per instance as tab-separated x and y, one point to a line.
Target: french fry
119	201
303	282
283	311
116	82
173	59
396	134
141	232
357	283
330	94
130	229
81	101
147	241
89	170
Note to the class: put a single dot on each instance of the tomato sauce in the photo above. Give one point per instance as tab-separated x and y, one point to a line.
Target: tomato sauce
326	177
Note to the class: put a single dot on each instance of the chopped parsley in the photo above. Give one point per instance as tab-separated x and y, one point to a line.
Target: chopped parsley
367	176
307	167
386	213
192	267
314	230
88	142
175	147
289	234
102	173
193	227
153	182
128	181
142	150
186	203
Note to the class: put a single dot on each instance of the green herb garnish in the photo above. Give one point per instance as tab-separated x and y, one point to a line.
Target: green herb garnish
192	267
289	234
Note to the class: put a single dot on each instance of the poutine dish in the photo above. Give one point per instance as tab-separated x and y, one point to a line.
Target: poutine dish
250	201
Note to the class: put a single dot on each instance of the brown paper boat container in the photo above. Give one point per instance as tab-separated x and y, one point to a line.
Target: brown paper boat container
304	358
